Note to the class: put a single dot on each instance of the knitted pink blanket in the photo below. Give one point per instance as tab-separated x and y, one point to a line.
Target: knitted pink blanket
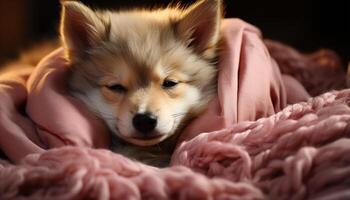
250	144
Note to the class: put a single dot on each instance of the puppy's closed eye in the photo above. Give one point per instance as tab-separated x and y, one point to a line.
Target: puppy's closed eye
169	84
117	88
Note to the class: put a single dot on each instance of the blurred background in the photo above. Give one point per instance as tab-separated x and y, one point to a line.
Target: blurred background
305	25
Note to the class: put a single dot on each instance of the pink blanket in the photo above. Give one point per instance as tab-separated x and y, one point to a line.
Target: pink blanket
248	144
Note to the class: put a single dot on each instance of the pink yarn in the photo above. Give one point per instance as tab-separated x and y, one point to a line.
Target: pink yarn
82	173
318	72
283	155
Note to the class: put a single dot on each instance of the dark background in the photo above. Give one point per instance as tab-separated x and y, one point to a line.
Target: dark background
305	24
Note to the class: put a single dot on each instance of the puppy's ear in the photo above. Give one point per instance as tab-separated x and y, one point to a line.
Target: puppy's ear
81	29
200	26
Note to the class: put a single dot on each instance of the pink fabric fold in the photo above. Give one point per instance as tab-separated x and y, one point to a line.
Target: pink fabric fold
37	113
61	120
250	84
18	136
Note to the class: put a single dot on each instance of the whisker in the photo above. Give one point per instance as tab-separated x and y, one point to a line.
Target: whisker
121	123
179	114
109	118
102	113
159	147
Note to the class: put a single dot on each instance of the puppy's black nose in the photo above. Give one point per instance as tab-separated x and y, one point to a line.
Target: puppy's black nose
145	122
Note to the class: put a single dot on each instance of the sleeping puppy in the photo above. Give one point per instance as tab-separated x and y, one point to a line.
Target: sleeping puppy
145	73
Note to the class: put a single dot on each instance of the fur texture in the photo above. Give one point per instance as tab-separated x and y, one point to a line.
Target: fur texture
128	63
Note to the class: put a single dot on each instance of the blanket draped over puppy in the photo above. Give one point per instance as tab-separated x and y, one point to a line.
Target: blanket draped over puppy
262	135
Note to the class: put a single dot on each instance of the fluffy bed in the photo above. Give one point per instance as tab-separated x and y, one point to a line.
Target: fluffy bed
262	137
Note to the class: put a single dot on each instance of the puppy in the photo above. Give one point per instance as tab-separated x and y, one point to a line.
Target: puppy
145	73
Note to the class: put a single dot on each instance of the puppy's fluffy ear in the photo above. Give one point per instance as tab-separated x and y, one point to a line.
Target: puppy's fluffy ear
200	26
81	29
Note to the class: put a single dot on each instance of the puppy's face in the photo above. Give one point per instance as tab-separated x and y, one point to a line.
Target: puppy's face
145	73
